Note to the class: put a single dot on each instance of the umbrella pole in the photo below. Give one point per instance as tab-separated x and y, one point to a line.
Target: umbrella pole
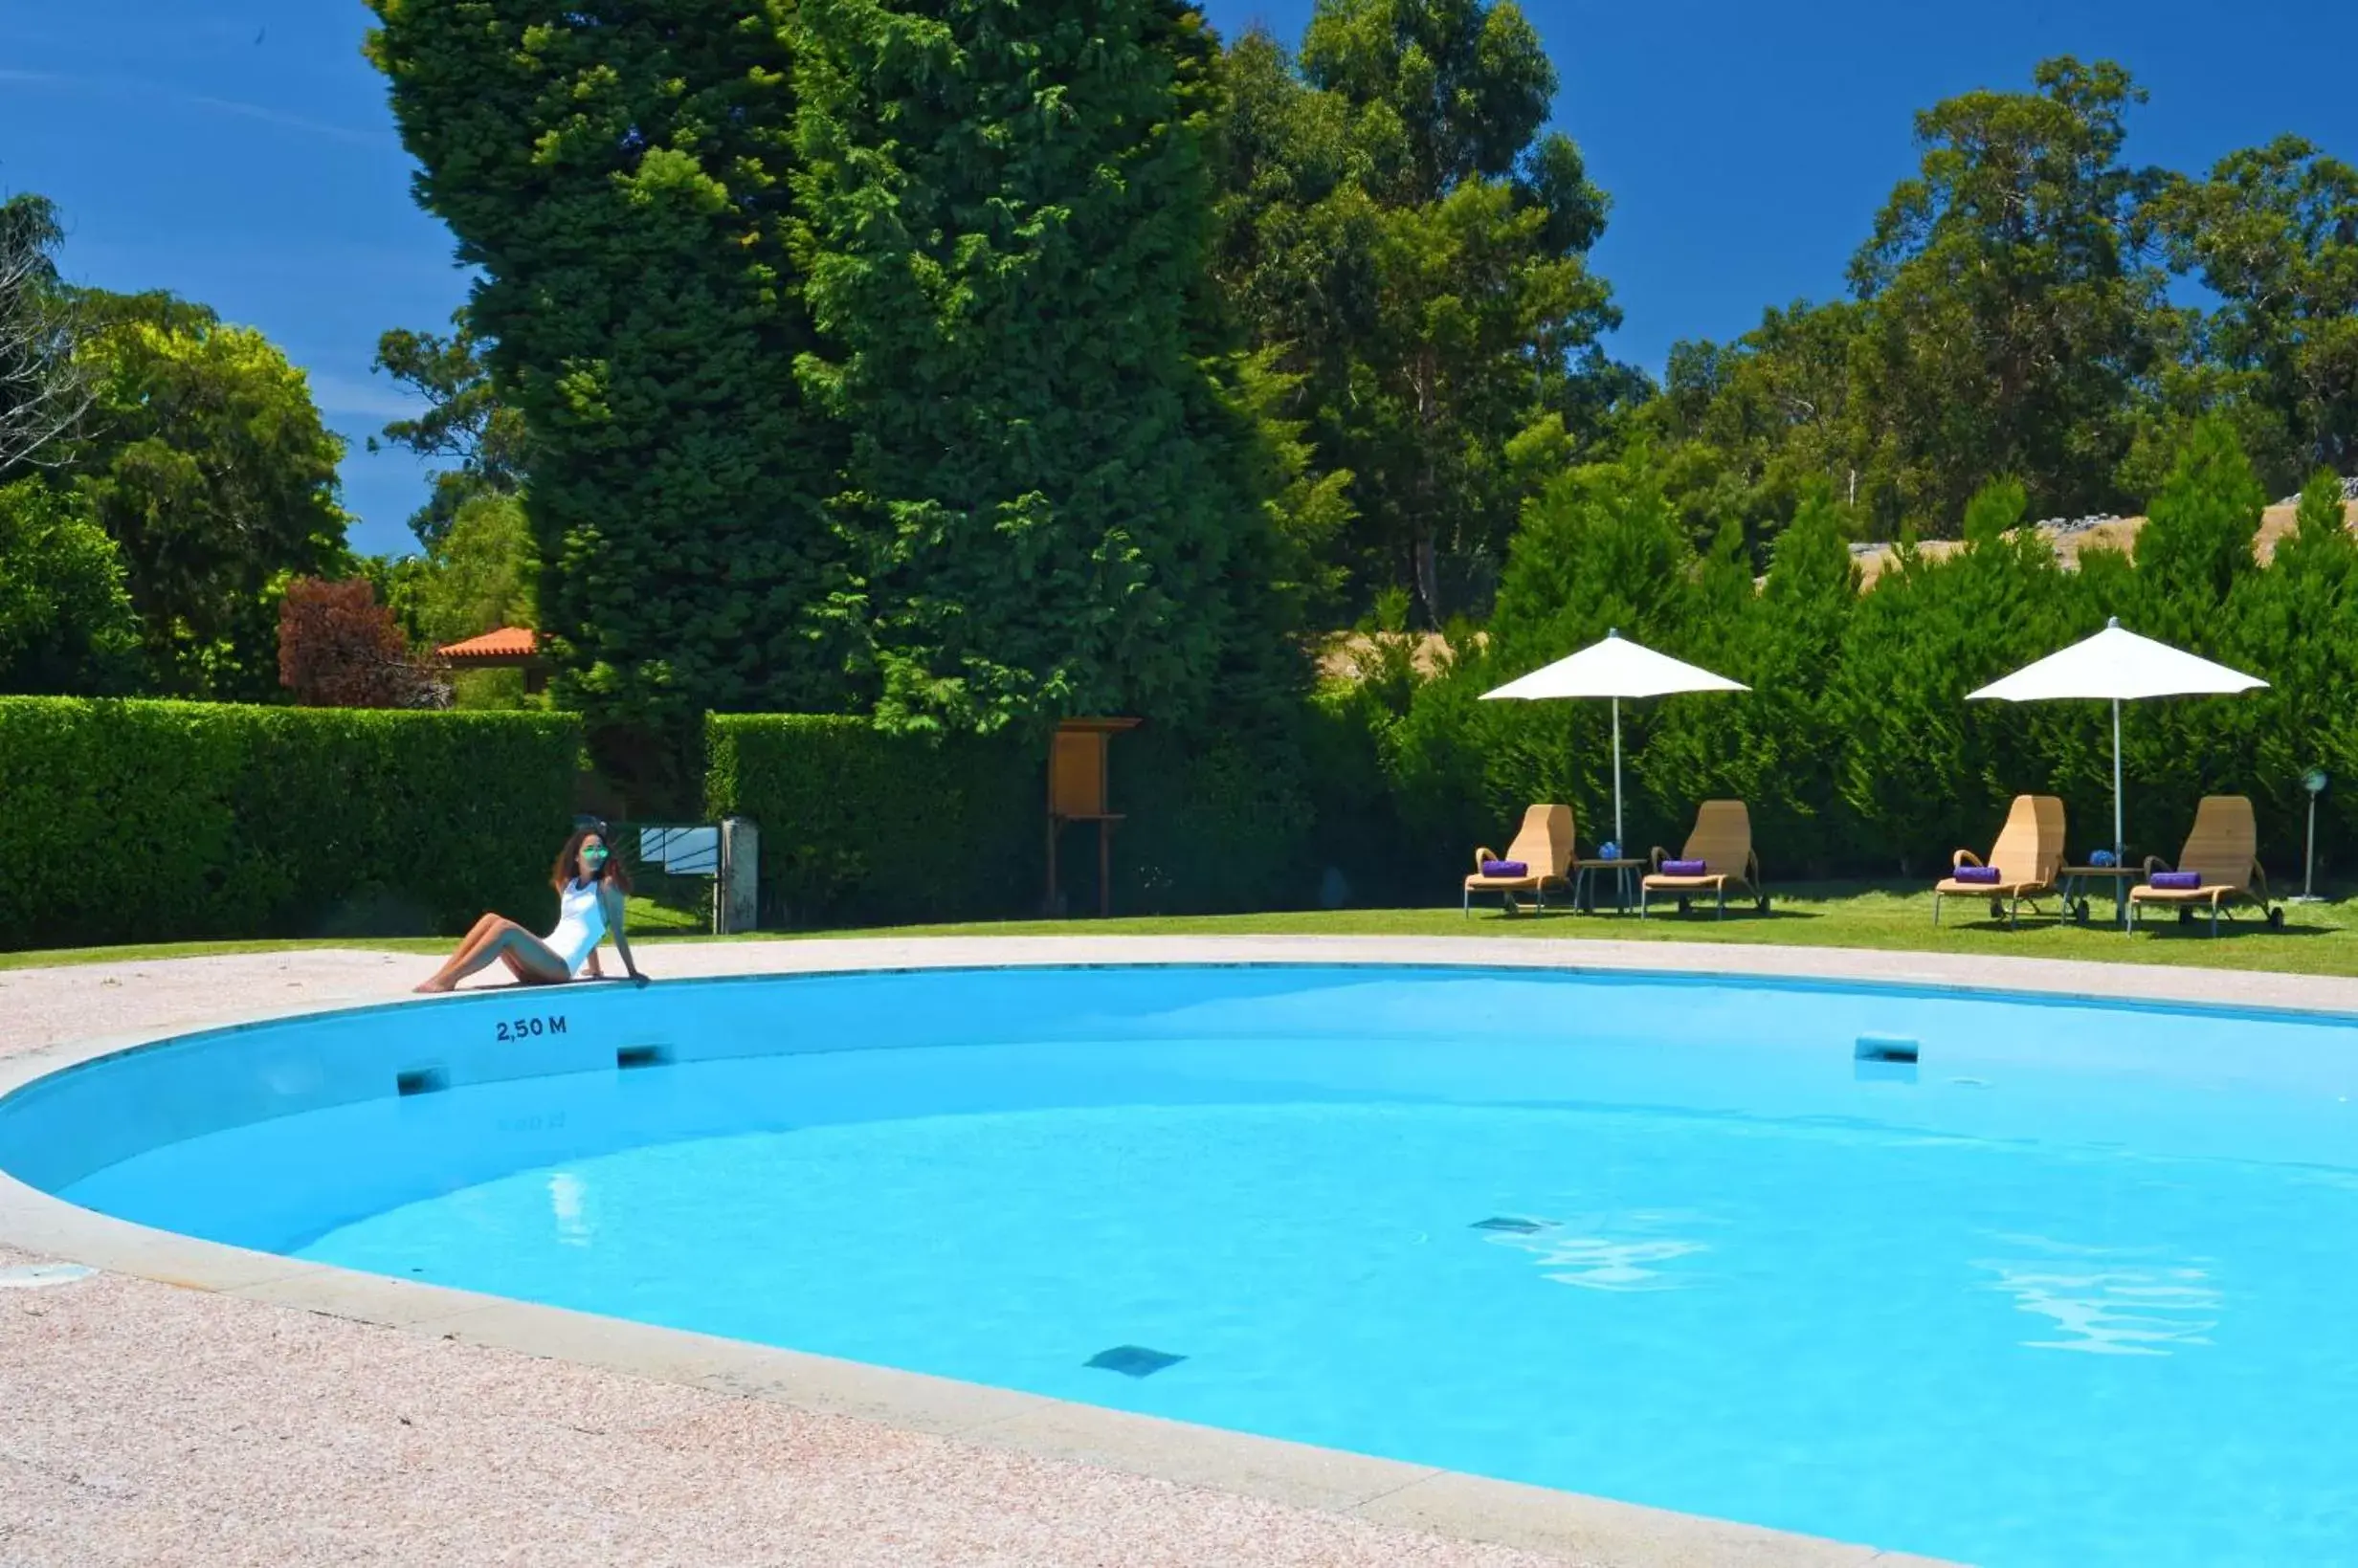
1616	778
2120	849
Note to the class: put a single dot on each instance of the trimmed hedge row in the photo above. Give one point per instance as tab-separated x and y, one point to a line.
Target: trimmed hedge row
138	821
861	827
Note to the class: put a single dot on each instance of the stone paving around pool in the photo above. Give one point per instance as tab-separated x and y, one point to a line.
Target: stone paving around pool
146	1422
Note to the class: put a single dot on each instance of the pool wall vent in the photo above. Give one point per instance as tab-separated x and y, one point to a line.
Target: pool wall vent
629	1056
420	1080
1886	1057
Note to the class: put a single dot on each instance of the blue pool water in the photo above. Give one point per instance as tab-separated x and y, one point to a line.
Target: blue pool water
2079	1290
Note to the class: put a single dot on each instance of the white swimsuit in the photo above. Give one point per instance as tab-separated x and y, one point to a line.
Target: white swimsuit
581	925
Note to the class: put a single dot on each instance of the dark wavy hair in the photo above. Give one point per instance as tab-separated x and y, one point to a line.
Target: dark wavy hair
568	859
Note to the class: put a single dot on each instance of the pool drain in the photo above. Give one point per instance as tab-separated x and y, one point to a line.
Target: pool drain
1512	1226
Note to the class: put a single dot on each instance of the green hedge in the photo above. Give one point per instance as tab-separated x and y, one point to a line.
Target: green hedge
134	821
1857	747
862	827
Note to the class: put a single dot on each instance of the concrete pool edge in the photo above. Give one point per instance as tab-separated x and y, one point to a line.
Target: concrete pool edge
1462	1507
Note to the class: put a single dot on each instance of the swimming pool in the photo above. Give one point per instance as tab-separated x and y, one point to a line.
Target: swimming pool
2070	1288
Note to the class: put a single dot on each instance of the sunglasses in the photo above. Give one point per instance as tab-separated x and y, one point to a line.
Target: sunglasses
593	852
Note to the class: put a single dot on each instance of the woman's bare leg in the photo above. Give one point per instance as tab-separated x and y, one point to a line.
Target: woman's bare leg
482	931
516	966
485	931
528	957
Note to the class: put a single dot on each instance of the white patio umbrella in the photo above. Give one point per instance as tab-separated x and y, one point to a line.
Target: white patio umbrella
2122	667
1615	668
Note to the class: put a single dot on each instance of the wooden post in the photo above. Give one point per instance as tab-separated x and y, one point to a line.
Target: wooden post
1048	902
1104	868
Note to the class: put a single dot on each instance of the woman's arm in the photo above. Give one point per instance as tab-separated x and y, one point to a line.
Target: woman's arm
611	898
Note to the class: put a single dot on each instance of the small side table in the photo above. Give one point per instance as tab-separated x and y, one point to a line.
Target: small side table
2076	880
1584	896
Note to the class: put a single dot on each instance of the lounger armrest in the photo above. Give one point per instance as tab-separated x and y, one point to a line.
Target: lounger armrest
2261	878
1655	859
1751	867
1480	856
1963	857
2155	863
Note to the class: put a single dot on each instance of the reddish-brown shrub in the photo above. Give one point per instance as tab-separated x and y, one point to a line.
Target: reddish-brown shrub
338	647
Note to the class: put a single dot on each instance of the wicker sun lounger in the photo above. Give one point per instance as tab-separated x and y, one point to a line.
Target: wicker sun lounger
1545	847
2223	849
2028	855
1723	841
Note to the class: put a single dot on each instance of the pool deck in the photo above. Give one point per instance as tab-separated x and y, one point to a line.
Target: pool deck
192	1404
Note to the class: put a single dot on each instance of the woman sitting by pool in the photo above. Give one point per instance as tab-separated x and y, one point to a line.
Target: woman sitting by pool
591	887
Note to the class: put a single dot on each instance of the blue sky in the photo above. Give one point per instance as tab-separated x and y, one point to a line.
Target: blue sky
242	153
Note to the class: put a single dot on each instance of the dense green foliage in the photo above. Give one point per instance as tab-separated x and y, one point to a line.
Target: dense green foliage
480	573
1856	748
2272	232
66	624
164	820
858	823
2011	319
1047	498
203	457
620	176
1390	229
1010	473
2010	313
166	476
1401	235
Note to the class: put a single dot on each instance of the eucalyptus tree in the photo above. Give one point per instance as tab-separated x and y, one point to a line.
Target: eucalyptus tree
1402	227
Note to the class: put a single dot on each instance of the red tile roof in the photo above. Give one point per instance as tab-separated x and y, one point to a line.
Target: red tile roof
508	642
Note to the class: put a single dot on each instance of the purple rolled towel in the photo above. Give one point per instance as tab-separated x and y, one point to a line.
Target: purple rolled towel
1977	874
1682	868
2176	881
1505	868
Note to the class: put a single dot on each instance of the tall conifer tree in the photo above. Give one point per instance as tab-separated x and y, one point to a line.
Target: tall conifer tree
1006	209
618	173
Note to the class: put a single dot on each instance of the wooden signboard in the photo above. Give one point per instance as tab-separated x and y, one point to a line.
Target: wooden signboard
1078	792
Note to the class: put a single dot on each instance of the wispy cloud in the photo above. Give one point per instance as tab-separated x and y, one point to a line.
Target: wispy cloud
297	122
149	91
362	398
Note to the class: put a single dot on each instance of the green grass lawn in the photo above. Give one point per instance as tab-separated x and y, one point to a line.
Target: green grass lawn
2317	938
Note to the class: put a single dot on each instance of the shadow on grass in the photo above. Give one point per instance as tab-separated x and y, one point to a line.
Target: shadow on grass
1709	914
1608	917
2198	929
